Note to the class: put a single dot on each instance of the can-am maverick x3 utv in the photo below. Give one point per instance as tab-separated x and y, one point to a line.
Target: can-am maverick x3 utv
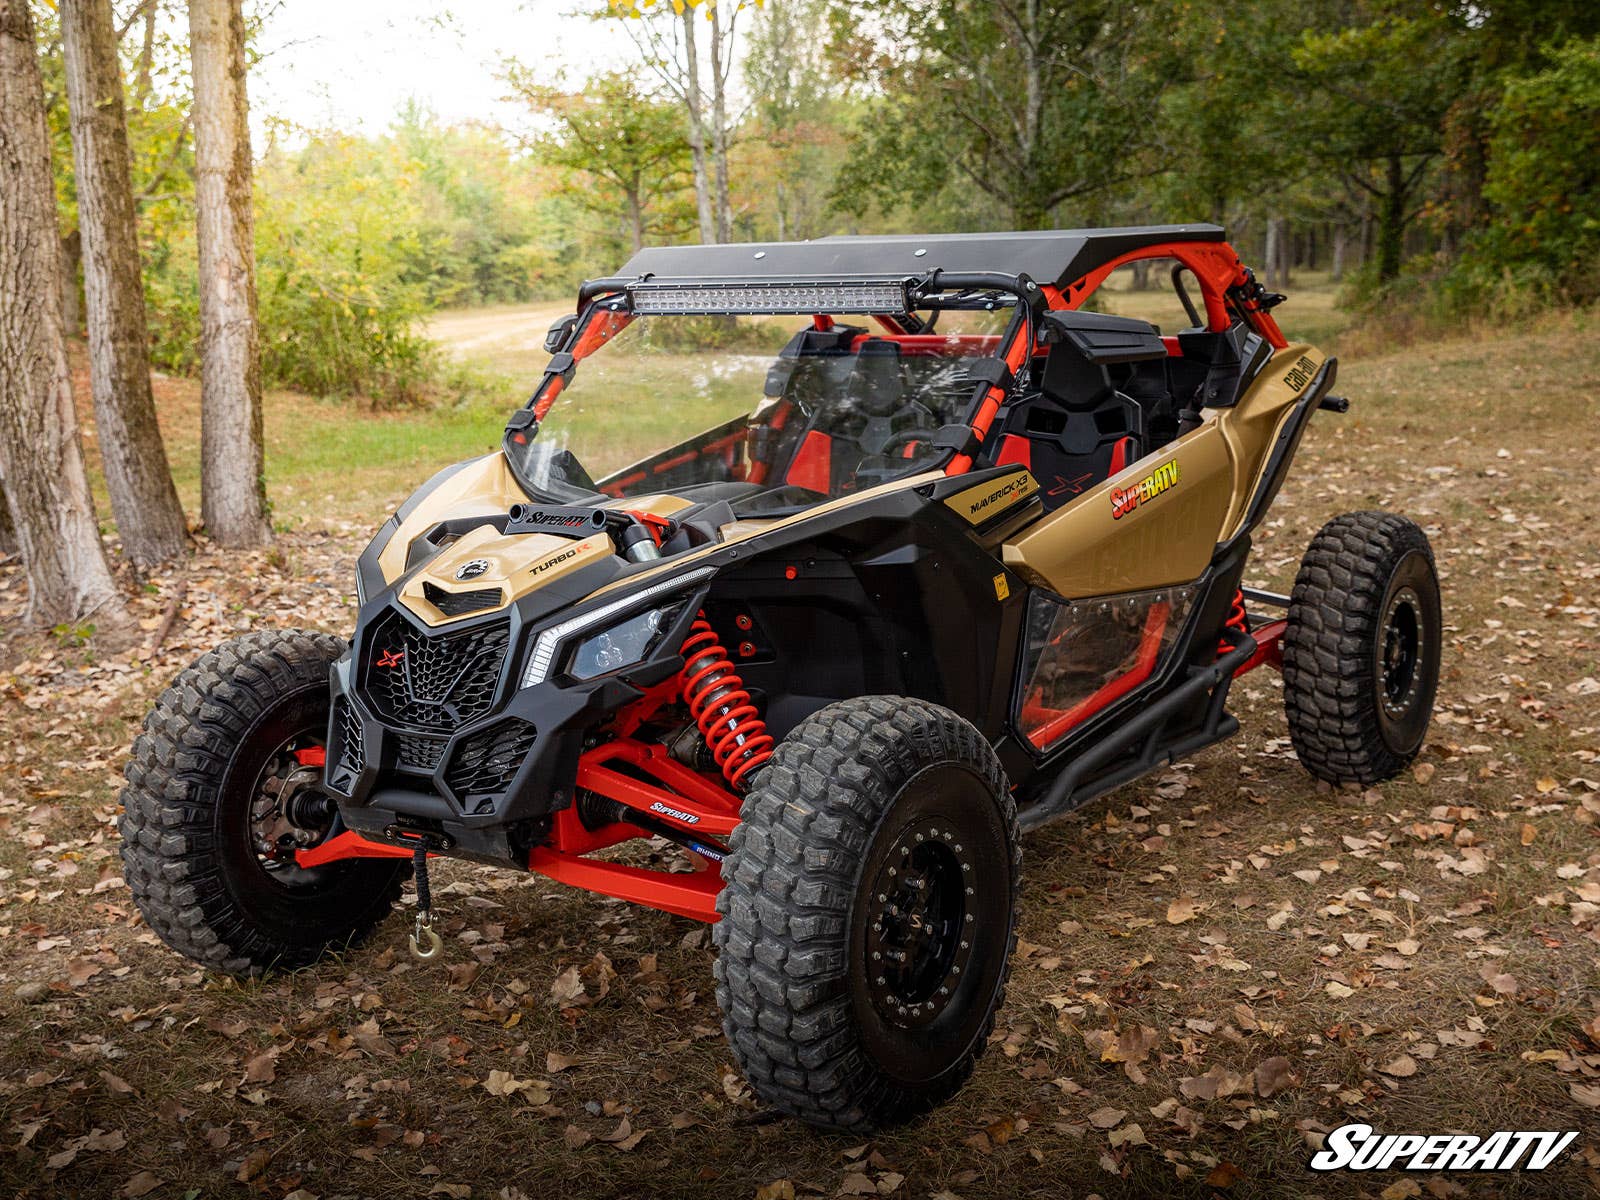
838	564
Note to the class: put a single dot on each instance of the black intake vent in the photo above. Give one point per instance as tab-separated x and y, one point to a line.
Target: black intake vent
345	755
417	753
486	762
434	681
459	604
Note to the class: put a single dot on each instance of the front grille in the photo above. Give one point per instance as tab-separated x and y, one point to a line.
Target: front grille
486	762
418	753
459	604
344	765
438	681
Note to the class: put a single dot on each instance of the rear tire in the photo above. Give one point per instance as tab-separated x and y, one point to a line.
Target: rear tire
1361	652
869	914
199	778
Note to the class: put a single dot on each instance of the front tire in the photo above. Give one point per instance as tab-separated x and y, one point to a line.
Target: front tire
207	826
1361	651
869	914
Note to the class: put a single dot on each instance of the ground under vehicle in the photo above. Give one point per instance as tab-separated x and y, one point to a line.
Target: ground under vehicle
915	589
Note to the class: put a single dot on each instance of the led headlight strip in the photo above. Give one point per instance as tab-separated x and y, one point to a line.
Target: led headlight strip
549	641
843	296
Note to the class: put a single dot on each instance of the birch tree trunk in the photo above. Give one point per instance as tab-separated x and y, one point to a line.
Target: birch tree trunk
697	129
233	502
143	500
719	128
41	459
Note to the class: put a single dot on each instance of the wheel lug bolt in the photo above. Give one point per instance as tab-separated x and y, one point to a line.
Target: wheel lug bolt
876	955
969	915
969	891
882	981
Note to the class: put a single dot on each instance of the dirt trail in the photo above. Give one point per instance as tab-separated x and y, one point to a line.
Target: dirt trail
484	332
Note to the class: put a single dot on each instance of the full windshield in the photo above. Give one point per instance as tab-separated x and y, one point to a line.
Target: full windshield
767	413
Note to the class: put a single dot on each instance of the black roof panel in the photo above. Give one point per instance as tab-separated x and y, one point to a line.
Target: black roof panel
1057	256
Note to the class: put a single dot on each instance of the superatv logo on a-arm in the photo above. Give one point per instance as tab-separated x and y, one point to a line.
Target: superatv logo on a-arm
1125	500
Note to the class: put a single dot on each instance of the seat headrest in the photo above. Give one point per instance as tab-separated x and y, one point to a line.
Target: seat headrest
875	381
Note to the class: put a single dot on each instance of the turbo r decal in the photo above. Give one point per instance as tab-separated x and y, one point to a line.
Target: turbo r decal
1125	500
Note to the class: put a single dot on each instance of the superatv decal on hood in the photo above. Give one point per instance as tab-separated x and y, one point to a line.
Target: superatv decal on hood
1125	500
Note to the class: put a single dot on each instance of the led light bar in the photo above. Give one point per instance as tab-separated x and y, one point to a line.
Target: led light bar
840	296
549	640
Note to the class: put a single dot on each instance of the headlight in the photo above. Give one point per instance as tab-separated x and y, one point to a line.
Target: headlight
620	643
620	646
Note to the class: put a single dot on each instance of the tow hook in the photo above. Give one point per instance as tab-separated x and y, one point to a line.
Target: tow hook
426	943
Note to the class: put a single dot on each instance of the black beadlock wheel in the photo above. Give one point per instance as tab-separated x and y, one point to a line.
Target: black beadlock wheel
869	914
222	789
1362	649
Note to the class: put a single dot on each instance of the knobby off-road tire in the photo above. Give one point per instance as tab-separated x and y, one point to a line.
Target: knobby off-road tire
1361	652
869	914
188	848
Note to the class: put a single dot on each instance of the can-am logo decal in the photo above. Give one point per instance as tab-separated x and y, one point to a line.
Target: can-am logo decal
1125	500
1358	1147
675	814
1302	373
390	659
472	568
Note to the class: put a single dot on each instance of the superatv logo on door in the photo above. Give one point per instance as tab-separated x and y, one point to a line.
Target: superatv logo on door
1125	500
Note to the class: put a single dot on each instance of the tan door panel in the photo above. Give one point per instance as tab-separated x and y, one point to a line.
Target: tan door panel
1151	525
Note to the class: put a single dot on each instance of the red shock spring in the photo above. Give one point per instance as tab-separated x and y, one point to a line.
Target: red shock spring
1238	621
721	708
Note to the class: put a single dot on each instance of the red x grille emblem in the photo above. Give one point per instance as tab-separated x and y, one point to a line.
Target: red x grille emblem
390	658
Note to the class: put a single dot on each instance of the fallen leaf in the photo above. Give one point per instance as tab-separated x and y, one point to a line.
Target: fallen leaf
554	1062
254	1164
1184	908
567	987
1402	1067
1273	1075
1105	1118
1224	1175
1401	1189
140	1184
1584	1094
778	1189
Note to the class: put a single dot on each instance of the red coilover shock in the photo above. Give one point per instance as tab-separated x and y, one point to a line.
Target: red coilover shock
730	724
1238	621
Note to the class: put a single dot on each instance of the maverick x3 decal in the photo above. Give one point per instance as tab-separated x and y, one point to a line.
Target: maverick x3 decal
1125	500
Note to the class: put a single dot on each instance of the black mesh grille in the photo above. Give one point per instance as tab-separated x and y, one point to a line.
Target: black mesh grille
487	761
458	604
418	753
435	682
345	763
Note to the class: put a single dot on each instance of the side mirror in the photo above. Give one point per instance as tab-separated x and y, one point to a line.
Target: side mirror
556	337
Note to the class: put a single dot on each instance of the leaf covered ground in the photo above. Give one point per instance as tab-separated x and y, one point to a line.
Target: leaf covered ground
1217	964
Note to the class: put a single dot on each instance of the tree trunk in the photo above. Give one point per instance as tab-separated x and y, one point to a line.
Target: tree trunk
697	130
1391	220
233	501
1141	275
1340	237
143	500
1269	253
719	129
147	53
41	459
636	216
71	294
